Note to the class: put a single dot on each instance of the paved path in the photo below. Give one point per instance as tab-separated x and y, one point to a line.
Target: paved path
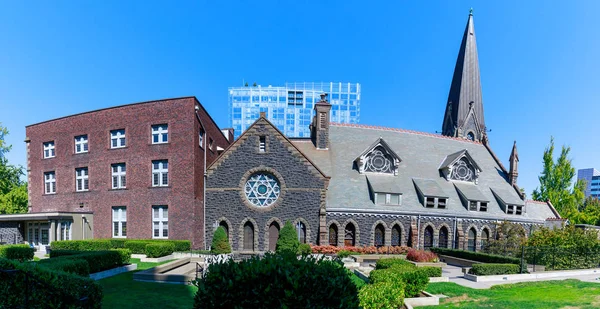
455	275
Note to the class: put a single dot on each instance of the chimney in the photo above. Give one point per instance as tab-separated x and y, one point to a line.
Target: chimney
319	128
513	173
228	132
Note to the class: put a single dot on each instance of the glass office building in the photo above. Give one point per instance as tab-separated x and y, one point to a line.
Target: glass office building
290	107
592	180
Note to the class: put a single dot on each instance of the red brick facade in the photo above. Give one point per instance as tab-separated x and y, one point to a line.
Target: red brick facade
185	191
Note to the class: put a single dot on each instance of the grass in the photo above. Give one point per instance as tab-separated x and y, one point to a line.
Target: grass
527	295
122	291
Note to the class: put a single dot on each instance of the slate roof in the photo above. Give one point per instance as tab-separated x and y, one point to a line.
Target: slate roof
422	154
383	183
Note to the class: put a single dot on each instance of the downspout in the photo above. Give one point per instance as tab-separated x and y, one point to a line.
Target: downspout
419	232
454	243
204	192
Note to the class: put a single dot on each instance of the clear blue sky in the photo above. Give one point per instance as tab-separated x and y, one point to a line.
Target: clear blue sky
539	61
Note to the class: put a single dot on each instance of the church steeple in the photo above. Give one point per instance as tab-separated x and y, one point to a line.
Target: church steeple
464	109
513	173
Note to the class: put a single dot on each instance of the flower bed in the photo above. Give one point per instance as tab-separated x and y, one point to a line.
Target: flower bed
421	256
327	249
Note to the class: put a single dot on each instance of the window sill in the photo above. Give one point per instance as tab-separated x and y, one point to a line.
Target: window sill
120	237
48	158
80	153
118	189
164	143
83	191
117	148
49	193
159	187
160	237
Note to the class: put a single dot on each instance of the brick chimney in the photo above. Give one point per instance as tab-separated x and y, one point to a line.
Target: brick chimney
319	128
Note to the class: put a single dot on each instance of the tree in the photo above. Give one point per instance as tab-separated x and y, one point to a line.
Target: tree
556	183
288	240
220	243
13	191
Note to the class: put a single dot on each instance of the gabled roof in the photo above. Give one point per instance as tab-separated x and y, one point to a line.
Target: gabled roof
381	142
508	197
383	184
452	158
470	192
429	188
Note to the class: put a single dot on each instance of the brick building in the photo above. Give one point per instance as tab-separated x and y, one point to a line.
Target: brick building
134	171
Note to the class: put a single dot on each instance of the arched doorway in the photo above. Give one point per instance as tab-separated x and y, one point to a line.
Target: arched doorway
379	235
472	239
349	235
333	235
428	238
396	236
301	230
273	235
248	236
443	237
224	225
485	237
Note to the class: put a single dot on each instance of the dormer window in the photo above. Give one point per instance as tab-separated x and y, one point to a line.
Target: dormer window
388	198
435	202
473	199
514	209
462	170
477	206
430	193
460	166
509	200
378	158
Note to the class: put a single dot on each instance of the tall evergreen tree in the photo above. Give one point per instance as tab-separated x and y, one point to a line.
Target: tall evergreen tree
288	239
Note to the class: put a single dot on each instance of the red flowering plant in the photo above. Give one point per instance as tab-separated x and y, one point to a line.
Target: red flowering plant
421	256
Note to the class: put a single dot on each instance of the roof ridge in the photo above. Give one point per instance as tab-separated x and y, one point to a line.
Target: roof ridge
363	126
537	202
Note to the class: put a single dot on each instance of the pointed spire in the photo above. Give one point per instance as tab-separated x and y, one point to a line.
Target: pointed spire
464	109
513	173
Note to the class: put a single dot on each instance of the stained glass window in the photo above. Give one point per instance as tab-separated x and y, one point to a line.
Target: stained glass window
379	161
463	170
262	189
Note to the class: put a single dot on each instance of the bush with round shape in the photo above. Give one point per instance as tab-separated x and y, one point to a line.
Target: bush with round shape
383	295
220	243
157	250
276	281
421	256
288	239
304	249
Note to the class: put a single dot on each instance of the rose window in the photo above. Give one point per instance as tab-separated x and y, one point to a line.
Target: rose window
379	162
462	170
262	189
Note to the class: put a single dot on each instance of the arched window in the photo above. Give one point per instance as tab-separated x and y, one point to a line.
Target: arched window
224	225
248	236
396	236
379	235
333	235
428	238
443	238
273	236
471	136
301	230
472	239
485	237
349	235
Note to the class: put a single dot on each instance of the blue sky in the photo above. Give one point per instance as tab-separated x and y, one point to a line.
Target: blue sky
539	61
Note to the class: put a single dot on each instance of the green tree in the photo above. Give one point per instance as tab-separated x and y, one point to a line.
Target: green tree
556	183
220	243
288	240
13	191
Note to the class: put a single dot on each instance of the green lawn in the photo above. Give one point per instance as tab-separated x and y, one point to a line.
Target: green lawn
122	291
573	294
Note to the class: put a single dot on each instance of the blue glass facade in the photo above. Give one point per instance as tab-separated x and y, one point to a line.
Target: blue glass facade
592	180
290	107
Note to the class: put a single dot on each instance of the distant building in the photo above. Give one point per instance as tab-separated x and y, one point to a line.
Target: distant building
592	180
290	108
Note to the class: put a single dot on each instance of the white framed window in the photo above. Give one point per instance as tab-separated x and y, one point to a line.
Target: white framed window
49	151
160	222
81	144
65	230
82	182
201	138
160	173
477	206
388	198
160	134
117	138
119	180
50	182
262	144
119	222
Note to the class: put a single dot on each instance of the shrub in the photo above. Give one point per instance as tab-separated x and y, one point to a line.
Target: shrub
159	250
220	243
17	252
97	260
276	281
416	279
117	243
433	271
59	253
327	249
49	289
477	256
383	295
288	239
387	263
421	256
343	254
82	245
69	265
494	269
137	246
359	282
304	249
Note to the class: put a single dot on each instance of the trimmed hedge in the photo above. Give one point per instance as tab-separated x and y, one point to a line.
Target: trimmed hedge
477	256
276	281
47	288
137	246
494	269
388	263
382	295
159	250
70	265
416	279
97	260
17	252
432	271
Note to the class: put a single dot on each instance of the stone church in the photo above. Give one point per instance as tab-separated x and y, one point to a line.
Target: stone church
357	185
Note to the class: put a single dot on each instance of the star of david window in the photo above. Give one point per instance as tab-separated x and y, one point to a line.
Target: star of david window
378	161
262	189
463	170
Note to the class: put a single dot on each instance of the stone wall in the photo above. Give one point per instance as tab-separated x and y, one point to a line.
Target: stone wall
10	233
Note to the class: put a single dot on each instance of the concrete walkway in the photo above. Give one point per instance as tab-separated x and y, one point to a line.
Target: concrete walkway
455	275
